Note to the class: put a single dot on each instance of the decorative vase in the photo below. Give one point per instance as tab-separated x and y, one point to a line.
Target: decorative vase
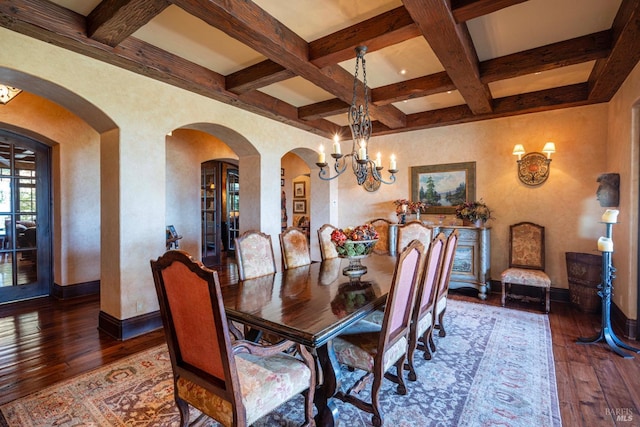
355	250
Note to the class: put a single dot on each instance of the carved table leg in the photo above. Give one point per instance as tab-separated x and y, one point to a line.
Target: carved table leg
331	379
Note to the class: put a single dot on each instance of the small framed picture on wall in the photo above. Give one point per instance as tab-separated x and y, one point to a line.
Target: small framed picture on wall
300	206
281	182
281	171
299	189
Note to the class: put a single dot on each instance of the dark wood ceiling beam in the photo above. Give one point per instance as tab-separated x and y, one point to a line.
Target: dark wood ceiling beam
327	108
555	55
251	25
112	21
64	28
414	88
544	100
608	74
464	10
257	76
386	29
452	44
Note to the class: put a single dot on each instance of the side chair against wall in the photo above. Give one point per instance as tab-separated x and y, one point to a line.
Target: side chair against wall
295	248
423	317
526	260
254	255
377	351
382	227
443	284
226	380
414	230
327	248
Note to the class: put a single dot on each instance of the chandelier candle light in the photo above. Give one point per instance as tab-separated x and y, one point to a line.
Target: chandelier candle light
366	170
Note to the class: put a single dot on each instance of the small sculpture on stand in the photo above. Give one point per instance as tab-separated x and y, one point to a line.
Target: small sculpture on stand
605	245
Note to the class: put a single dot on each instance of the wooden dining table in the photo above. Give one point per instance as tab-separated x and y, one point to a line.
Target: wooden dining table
311	305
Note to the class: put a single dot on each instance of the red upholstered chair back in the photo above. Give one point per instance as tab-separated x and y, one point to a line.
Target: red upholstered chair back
447	264
254	255
327	248
411	231
194	321
382	227
401	297
294	247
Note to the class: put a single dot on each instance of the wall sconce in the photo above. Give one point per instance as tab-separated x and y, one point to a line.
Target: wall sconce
533	168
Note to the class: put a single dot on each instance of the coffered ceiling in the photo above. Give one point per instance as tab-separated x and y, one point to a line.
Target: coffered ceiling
429	63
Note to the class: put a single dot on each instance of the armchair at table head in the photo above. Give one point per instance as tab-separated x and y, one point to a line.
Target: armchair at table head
378	350
526	260
413	230
254	254
382	227
294	247
225	380
327	248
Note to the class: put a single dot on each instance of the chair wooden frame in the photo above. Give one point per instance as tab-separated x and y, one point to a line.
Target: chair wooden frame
423	316
443	283
241	254
392	338
327	248
204	360
294	248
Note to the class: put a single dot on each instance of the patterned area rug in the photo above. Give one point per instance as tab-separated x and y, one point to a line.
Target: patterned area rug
494	367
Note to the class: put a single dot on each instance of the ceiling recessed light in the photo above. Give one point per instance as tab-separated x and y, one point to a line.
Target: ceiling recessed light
403	72
448	91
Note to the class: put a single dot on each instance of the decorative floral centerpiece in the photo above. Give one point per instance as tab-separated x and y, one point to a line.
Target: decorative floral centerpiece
475	212
415	207
355	241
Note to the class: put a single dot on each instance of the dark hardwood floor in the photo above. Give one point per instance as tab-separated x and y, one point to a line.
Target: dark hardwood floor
44	341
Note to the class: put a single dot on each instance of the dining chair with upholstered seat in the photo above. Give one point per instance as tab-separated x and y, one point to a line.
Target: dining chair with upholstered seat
377	351
443	284
423	316
526	260
382	227
294	247
414	230
327	248
254	254
224	379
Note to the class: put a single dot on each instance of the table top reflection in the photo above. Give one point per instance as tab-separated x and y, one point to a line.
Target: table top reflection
310	304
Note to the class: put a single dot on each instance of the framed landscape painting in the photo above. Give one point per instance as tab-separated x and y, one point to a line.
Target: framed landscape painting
443	187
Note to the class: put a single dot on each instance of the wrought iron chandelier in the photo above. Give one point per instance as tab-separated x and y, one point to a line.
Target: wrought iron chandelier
366	170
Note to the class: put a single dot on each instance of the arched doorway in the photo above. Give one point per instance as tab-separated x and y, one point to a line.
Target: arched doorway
25	218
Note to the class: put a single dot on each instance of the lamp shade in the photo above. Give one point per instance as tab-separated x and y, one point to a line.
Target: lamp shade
518	150
549	148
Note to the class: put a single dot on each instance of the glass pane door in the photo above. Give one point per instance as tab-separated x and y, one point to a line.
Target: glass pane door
24	228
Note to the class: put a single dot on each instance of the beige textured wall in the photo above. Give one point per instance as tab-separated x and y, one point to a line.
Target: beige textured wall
565	204
623	157
135	207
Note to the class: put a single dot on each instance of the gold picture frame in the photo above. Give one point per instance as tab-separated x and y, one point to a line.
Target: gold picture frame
443	187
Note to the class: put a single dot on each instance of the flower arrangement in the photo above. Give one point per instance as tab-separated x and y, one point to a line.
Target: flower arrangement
414	207
473	211
354	241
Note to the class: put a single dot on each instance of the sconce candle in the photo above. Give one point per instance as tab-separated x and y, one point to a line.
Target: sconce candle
392	163
605	244
321	158
610	216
